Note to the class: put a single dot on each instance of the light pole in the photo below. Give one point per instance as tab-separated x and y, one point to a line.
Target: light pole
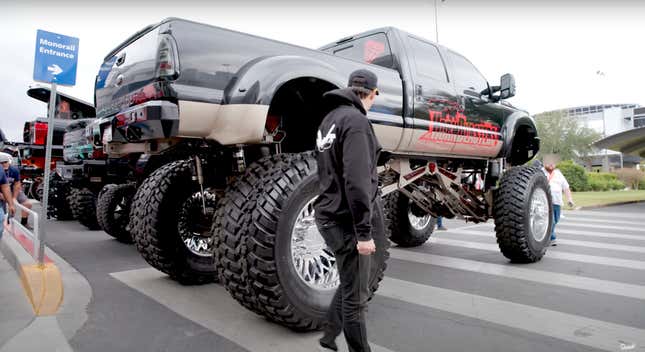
606	165
436	21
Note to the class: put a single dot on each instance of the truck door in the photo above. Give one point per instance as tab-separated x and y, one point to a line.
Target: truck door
435	101
477	122
386	113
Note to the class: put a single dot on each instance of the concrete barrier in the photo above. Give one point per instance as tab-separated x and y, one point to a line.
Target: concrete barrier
40	277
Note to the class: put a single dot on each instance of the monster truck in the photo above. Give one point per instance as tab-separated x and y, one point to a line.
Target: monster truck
95	189
69	109
243	113
102	188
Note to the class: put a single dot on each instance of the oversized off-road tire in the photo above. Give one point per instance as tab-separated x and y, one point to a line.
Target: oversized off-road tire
83	204
523	214
169	228
113	210
288	291
406	224
58	206
232	219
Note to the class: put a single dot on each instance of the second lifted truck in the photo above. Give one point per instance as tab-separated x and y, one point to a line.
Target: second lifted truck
240	113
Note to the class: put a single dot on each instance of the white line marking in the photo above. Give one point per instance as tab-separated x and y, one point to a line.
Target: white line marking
595	219
568	222
607	214
567	231
568	327
600	234
571	223
212	307
582	258
521	273
600	245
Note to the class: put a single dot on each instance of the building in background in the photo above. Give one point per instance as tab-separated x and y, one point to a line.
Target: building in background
608	120
639	117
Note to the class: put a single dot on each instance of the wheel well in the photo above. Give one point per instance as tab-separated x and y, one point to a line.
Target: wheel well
299	106
525	145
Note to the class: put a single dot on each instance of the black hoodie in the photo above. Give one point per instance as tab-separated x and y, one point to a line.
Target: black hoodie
347	153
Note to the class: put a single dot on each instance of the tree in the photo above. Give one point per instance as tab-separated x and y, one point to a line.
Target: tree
631	177
565	136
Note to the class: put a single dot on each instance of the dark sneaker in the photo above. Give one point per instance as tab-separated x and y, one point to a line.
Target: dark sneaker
442	228
327	345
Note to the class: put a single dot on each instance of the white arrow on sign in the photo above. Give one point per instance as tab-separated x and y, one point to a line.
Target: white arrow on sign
55	69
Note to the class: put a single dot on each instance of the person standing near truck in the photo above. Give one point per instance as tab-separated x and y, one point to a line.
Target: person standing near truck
5	193
13	177
347	211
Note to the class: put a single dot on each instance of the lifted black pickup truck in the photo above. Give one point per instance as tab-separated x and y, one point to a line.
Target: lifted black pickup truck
243	113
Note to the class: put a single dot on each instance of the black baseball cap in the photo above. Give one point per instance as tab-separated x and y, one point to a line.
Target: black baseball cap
363	78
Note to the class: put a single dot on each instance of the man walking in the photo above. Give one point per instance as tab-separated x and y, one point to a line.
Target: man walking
558	184
348	214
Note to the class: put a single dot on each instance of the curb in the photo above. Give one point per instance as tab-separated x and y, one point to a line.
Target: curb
43	284
610	205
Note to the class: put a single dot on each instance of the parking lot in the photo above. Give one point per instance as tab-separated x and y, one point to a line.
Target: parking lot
455	293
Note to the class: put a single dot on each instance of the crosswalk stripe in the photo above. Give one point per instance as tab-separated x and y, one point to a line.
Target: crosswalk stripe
601	234
568	327
514	272
582	258
600	245
567	231
594	220
568	222
607	214
212	307
577	224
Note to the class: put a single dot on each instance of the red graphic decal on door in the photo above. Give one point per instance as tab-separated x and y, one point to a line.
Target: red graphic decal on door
455	128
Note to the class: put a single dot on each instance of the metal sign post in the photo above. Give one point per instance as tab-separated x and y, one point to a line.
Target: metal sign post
55	62
48	159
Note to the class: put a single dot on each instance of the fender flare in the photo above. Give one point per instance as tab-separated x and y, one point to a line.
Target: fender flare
258	81
513	123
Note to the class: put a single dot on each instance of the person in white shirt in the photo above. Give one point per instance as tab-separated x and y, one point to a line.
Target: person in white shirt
558	184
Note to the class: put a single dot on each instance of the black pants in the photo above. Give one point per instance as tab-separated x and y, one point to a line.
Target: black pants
347	310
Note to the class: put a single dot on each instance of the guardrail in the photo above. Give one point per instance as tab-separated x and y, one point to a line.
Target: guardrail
38	252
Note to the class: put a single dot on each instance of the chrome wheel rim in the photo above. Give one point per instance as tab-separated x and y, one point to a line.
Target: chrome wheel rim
418	223
539	214
194	226
312	259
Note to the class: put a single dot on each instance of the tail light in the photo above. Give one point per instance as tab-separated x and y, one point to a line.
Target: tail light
272	124
39	133
167	57
150	92
97	153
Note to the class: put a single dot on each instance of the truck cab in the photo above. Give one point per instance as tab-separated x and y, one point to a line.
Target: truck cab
449	108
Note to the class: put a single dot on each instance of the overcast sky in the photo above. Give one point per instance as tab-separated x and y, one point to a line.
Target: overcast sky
554	48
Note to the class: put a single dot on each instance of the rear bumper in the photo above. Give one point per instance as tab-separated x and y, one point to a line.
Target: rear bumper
92	170
156	125
152	120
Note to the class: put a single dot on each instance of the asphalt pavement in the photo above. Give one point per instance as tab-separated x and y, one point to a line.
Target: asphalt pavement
455	293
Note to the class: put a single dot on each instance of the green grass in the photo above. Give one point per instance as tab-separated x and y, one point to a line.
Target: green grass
585	199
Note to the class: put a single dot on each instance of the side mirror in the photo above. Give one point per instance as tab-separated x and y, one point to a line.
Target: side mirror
507	86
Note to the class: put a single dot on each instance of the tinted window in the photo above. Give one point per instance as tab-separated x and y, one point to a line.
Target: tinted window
373	49
428	60
466	75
